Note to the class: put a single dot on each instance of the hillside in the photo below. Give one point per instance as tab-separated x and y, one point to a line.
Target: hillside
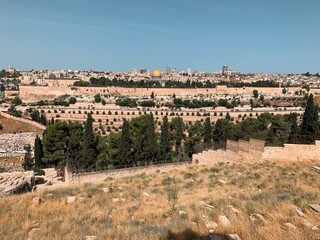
261	201
13	126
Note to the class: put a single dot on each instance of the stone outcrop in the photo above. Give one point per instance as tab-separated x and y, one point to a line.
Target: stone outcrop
16	183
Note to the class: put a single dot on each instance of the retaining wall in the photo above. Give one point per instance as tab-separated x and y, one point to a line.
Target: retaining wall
257	152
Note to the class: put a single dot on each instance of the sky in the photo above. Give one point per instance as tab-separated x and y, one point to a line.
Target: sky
262	36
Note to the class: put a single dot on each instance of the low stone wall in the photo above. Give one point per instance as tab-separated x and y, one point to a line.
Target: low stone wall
245	146
35	124
292	152
215	156
289	152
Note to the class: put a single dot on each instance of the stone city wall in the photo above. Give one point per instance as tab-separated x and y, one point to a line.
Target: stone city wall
37	93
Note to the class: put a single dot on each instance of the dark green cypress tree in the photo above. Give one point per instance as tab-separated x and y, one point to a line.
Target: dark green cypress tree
220	133
38	152
74	157
293	137
125	156
179	128
165	146
207	131
150	144
43	119
89	151
309	125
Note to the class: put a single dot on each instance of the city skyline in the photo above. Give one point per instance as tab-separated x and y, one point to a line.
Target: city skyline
266	37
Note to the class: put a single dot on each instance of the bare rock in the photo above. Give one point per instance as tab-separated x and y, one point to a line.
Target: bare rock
234	210
209	206
316	228
34	231
307	223
211	225
106	190
223	221
316	168
115	200
36	201
290	226
182	213
189	180
233	237
256	217
315	208
299	212
203	204
222	181
146	194
35	224
90	237
71	199
194	224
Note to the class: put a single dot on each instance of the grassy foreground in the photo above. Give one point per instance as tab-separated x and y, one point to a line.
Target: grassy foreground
171	205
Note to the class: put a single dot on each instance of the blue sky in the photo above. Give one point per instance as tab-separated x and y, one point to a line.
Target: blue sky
274	36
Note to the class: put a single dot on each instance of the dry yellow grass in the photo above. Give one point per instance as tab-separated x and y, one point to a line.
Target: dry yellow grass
13	126
269	189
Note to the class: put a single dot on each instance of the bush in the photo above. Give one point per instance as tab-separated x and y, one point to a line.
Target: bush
72	100
16	101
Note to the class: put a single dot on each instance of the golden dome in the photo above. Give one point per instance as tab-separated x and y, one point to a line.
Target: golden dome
156	73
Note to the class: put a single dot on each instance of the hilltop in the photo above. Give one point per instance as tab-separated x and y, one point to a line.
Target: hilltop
255	201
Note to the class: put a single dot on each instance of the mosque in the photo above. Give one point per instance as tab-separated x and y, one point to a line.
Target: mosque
156	76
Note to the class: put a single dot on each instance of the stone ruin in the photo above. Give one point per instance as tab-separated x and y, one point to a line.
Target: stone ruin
13	159
16	183
12	162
